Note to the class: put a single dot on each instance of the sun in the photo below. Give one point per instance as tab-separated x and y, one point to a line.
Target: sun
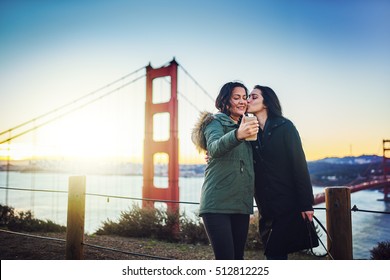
96	133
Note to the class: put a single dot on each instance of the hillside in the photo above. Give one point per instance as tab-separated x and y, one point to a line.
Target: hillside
330	171
343	171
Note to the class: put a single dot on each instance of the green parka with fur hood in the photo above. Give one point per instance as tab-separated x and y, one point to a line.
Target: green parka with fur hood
229	177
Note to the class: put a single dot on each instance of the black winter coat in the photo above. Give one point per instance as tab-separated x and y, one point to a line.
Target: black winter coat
282	182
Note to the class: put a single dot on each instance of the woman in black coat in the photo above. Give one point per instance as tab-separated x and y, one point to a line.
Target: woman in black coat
283	189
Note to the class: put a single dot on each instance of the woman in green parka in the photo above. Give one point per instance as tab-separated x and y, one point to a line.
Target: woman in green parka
227	192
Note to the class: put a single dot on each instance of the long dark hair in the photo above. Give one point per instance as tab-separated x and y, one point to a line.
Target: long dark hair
271	100
222	103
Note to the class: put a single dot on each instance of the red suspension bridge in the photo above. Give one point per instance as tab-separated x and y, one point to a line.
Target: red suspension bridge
166	106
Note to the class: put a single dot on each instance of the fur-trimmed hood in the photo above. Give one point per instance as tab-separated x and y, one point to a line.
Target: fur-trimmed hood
197	135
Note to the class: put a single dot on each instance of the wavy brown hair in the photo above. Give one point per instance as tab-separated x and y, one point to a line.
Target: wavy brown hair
271	100
222	103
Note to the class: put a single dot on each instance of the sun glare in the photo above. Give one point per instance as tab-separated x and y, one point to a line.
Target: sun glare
89	134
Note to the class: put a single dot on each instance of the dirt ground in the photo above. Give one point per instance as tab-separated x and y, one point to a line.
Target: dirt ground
18	247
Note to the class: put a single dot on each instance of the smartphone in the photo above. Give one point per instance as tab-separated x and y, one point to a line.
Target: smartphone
254	136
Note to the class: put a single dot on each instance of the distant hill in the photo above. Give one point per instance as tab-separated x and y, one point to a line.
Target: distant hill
364	159
330	171
343	171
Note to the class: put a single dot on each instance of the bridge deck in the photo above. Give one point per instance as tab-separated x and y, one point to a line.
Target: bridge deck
383	183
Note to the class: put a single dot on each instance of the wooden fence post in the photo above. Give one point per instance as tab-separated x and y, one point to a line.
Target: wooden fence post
75	219
338	222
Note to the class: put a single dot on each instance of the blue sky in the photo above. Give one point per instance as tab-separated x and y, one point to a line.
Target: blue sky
328	61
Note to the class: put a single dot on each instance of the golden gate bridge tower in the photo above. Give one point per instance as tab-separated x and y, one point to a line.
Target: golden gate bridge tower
151	192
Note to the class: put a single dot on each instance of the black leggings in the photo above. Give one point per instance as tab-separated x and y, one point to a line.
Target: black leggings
227	234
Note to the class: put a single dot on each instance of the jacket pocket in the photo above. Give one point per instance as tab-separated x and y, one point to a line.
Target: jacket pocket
226	173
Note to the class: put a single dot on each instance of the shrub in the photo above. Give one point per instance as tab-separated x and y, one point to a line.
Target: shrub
381	252
155	223
6	214
141	222
160	224
192	232
25	221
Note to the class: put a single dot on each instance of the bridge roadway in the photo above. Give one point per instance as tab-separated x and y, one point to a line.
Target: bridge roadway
374	184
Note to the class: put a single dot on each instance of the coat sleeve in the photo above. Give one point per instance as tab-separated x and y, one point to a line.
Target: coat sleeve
219	143
300	170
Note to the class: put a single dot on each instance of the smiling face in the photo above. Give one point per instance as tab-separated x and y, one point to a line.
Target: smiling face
238	103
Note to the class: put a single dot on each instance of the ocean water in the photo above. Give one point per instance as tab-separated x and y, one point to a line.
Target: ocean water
107	196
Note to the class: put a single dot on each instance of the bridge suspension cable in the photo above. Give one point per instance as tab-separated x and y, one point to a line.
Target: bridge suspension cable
84	97
70	104
196	82
182	95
